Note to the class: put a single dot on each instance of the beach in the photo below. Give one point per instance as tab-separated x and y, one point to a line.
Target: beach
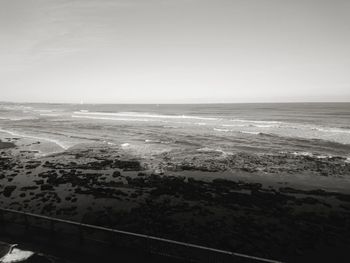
286	204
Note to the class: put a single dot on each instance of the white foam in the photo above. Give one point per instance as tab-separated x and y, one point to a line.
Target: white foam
10	132
207	149
60	144
49	114
211	150
145	115
251	132
221	130
314	155
42	110
18	118
153	141
235	125
256	121
17	107
249	124
264	125
332	130
108	118
323	156
302	154
124	145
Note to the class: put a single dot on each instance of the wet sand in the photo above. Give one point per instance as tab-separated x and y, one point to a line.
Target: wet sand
295	208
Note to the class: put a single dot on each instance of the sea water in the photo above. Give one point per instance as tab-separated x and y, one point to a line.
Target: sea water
318	129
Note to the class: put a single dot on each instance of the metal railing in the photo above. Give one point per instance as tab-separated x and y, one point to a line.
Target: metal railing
150	244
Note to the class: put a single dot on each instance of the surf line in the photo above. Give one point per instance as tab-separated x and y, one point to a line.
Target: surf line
64	147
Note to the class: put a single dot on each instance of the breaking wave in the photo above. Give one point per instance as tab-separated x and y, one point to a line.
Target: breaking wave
143	115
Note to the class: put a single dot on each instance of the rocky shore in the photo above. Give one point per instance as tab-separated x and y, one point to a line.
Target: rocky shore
263	205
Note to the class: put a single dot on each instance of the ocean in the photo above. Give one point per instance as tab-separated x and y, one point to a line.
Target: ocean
315	129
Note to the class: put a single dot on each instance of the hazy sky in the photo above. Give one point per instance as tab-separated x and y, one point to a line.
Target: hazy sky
161	51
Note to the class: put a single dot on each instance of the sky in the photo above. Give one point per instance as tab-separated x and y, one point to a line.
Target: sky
174	51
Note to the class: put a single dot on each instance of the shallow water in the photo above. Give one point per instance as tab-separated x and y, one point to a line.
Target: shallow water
321	129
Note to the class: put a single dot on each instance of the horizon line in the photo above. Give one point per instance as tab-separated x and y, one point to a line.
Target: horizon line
172	103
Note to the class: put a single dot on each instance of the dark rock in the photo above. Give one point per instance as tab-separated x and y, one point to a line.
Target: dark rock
8	190
46	187
116	174
27	188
